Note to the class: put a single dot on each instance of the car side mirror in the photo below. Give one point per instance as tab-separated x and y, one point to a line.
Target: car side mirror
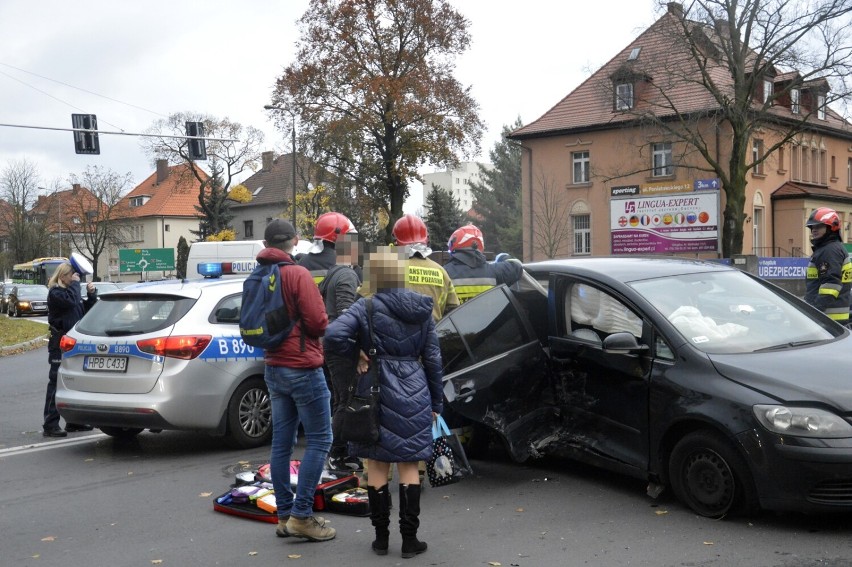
622	343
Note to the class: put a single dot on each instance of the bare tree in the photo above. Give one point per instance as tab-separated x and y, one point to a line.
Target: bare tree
550	218
19	186
705	86
89	211
227	160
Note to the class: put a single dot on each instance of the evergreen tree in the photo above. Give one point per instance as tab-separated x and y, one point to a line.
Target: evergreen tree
214	208
182	258
497	198
443	218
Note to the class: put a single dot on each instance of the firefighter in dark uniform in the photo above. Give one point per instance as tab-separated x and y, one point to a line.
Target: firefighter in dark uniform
322	255
828	286
471	272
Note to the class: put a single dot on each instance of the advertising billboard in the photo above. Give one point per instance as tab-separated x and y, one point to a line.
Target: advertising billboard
664	219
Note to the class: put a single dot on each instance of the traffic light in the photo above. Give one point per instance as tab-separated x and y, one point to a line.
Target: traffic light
85	142
197	148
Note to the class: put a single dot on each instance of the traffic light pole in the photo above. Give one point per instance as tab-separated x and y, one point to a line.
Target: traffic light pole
85	131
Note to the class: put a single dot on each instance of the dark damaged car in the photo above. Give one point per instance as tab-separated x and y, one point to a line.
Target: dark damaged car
688	374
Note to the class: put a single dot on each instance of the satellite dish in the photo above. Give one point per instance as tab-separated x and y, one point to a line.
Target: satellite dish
80	264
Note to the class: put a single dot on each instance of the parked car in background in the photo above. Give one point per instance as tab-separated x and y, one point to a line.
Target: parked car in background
27	299
690	375
104	287
5	288
166	355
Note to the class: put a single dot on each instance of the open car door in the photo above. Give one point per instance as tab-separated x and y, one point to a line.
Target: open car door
495	369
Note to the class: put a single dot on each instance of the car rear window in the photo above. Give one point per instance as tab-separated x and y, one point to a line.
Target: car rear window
116	314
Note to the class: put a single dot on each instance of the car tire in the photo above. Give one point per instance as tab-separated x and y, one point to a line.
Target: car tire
249	415
123	433
709	475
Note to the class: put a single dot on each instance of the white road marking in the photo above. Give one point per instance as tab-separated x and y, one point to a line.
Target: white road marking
45	445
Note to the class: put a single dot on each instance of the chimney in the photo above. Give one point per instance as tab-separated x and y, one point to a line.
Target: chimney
162	170
675	8
75	188
266	159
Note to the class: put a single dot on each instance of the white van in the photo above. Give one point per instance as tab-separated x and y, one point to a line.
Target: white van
241	254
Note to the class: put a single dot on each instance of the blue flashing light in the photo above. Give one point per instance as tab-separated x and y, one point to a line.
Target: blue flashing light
210	270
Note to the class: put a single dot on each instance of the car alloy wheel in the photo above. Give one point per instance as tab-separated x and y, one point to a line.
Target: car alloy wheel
250	415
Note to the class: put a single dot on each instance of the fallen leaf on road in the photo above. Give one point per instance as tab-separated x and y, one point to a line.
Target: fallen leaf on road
661	512
252	553
88	460
36	556
294	556
205	494
708	543
156	561
519	509
495	563
48	538
129	473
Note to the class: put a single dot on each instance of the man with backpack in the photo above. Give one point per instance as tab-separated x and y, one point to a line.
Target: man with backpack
296	384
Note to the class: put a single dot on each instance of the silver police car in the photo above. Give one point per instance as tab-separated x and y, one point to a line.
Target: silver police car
166	355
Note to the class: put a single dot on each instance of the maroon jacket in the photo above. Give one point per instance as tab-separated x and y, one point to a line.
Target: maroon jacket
303	302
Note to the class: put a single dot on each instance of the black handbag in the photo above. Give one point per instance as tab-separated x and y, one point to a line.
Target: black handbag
448	463
358	419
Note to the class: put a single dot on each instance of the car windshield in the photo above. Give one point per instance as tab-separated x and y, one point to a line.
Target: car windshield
729	312
32	293
119	314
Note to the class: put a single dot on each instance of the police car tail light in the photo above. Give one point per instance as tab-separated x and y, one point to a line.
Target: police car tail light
66	343
185	347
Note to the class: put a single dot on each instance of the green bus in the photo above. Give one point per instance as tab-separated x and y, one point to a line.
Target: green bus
36	271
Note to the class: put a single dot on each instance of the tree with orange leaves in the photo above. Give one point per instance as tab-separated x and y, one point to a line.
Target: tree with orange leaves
374	92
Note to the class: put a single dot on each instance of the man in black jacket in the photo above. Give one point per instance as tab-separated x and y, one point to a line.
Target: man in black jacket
470	271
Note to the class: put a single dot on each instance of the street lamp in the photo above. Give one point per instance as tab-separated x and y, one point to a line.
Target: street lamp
293	208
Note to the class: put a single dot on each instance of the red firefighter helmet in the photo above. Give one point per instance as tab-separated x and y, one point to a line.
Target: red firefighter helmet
467	236
331	225
826	216
409	229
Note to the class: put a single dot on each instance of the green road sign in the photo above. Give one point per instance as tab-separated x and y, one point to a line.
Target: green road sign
146	259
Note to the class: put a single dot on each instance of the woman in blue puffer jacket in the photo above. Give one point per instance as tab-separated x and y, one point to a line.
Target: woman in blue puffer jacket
410	380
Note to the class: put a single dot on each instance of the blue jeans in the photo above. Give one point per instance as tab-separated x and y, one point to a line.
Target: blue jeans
298	394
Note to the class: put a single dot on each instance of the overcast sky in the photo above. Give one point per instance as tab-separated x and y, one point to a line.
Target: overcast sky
132	63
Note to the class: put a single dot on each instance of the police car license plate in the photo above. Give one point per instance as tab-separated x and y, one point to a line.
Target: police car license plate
105	363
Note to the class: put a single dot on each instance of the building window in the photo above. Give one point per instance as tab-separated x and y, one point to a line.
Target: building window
757	226
582	225
794	101
821	107
624	96
581	167
767	91
794	162
849	172
757	156
833	169
248	229
662	155
136	201
166	228
781	159
806	166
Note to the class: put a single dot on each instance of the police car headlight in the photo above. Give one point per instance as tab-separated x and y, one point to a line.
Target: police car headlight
802	421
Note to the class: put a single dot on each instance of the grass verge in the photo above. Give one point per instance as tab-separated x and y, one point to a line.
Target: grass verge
14	331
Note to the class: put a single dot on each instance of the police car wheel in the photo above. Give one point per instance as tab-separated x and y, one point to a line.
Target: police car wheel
250	415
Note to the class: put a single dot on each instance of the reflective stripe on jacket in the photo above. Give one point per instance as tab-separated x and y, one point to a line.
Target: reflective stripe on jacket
828	284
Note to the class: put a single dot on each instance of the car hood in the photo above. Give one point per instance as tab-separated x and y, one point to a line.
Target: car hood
817	373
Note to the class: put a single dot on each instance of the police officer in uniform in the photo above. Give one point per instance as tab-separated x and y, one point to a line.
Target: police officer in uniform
424	275
471	272
322	255
828	286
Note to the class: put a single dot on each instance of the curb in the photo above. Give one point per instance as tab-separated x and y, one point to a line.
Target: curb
37	342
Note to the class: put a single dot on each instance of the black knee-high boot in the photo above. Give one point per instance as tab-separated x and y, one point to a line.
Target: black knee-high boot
380	517
409	520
